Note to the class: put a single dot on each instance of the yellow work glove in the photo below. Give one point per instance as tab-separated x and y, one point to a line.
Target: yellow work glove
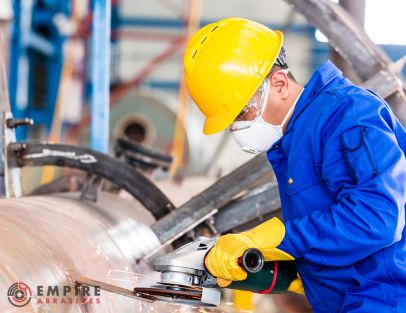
222	260
296	286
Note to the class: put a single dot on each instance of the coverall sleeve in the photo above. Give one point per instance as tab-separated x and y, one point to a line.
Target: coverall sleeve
364	167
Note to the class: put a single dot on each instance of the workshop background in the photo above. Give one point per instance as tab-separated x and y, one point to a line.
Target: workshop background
104	80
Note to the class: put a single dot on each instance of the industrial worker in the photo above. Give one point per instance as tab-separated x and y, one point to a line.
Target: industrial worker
337	151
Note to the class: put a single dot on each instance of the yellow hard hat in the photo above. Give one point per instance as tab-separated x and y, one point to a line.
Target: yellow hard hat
225	63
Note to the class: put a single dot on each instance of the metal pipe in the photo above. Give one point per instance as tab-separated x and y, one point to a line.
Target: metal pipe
47	241
357	10
100	75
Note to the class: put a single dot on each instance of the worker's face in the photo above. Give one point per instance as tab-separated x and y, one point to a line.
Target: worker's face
251	129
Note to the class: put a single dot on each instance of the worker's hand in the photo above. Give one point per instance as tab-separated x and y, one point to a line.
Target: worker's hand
296	286
222	260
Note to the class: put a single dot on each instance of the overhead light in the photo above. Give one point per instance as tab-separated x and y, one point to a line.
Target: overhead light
385	21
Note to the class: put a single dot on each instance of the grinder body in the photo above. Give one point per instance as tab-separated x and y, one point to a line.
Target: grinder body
274	277
185	267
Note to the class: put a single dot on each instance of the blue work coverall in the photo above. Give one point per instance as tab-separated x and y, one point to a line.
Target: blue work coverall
341	171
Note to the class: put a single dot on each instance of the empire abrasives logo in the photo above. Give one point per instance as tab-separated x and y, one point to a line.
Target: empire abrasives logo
19	294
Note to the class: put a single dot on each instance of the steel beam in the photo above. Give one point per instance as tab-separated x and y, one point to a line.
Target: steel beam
344	35
353	44
254	205
207	203
387	82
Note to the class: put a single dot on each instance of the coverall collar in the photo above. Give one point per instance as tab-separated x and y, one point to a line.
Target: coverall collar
320	78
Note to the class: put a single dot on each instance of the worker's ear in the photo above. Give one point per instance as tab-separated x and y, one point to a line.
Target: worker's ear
280	82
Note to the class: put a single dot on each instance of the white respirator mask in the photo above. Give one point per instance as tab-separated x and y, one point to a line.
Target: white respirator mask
256	135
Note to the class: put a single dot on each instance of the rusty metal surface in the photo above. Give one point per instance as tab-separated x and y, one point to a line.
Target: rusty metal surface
44	239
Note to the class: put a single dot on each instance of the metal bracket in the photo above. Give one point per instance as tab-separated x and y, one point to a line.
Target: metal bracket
11	175
16	122
91	188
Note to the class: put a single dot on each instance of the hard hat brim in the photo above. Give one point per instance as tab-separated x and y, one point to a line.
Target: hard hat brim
214	125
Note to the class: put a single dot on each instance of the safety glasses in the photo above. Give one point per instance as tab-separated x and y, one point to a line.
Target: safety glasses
255	106
253	109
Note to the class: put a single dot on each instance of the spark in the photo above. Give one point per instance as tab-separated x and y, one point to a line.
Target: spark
133	279
163	307
130	276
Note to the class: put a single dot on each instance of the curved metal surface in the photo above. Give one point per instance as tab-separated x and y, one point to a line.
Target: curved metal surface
117	172
44	239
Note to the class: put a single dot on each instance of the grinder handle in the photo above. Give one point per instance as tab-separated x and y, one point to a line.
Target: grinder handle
252	260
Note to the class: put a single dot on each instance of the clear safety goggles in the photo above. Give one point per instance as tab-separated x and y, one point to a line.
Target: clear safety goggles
255	106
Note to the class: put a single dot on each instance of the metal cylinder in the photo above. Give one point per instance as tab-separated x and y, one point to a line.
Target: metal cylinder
47	240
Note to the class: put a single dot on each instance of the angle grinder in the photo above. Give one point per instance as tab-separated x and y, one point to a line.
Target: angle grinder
184	278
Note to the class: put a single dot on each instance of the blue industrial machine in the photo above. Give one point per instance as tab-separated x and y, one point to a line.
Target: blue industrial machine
36	60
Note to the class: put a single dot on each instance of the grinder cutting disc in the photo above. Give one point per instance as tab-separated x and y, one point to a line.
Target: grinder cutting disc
174	294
